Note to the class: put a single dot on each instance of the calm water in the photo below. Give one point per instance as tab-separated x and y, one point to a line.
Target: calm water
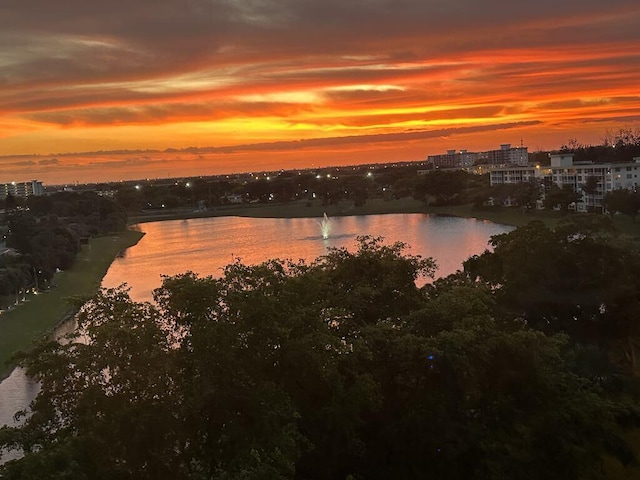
206	245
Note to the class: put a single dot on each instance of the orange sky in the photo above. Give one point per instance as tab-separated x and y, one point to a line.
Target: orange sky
269	84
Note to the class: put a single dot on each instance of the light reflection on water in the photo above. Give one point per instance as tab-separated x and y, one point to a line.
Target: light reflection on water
206	245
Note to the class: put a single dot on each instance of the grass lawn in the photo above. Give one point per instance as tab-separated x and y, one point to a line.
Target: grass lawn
374	206
39	314
515	216
296	209
505	215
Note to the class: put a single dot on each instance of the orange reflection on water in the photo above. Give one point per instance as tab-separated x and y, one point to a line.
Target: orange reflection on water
206	245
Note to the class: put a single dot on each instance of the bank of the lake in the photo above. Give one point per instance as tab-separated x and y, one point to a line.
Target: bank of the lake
39	314
624	224
378	206
296	209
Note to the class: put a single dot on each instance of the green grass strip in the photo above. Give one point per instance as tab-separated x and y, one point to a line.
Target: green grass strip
39	314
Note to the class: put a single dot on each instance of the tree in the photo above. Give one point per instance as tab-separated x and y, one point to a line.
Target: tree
376	283
624	201
283	188
572	145
574	280
591	186
130	198
624	137
356	187
500	193
40	205
445	186
562	197
402	187
526	194
22	228
259	190
10	203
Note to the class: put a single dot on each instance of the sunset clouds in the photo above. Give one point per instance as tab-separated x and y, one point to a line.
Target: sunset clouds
279	84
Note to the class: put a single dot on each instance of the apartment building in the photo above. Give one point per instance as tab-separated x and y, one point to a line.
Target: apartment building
21	189
505	155
453	159
505	175
565	172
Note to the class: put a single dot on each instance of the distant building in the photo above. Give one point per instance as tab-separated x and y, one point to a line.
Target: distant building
21	189
453	159
234	198
464	159
565	172
514	174
106	193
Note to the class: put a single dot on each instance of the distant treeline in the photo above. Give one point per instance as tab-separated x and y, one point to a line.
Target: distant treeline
617	146
328	187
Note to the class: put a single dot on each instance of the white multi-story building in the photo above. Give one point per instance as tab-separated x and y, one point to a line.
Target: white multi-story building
21	189
453	159
506	175
505	155
565	172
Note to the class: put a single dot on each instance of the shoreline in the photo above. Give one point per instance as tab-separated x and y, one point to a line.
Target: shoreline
41	314
297	209
377	206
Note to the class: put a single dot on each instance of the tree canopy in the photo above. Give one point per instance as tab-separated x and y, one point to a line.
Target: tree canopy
339	368
577	279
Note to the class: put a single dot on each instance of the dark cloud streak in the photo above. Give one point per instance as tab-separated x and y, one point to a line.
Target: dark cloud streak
148	63
143	38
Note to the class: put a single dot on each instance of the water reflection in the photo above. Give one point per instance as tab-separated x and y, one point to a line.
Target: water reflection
16	393
206	245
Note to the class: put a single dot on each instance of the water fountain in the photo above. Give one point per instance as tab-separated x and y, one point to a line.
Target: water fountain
325	226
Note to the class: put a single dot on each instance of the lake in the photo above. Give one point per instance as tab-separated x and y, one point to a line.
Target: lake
206	245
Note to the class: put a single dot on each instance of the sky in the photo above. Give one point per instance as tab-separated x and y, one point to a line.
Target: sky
129	89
